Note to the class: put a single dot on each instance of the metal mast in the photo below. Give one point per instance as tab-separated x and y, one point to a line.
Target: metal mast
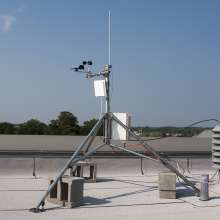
107	131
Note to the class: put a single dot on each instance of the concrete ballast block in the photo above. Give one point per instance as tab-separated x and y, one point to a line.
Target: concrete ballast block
53	196
167	185
167	194
70	191
167	181
67	192
78	170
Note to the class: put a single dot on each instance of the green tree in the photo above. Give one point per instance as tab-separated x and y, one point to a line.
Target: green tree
65	124
88	125
7	128
33	126
53	127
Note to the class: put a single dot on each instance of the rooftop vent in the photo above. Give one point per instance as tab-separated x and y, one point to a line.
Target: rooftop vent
216	147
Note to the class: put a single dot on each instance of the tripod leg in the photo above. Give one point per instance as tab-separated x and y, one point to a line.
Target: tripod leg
164	161
145	145
59	176
133	152
93	137
89	143
87	154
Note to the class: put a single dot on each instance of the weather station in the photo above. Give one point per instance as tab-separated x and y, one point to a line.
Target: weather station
116	126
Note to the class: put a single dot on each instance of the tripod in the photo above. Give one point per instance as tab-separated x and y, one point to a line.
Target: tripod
106	119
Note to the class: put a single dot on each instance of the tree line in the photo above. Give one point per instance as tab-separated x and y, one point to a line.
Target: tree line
66	123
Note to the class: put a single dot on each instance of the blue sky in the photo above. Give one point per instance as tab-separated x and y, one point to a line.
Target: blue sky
165	57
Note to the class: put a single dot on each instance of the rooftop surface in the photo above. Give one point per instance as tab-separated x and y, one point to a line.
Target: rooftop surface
120	193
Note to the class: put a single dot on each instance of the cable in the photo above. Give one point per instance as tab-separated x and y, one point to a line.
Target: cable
213	181
199	122
189	126
177	163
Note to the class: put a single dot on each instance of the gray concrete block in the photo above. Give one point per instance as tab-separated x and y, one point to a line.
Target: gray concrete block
67	192
167	194
167	185
53	196
70	191
78	170
167	181
53	193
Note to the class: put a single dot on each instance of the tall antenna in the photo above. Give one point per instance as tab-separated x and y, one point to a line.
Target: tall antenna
108	67
109	52
109	37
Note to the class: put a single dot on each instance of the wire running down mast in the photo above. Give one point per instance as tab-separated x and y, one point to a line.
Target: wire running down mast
106	119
